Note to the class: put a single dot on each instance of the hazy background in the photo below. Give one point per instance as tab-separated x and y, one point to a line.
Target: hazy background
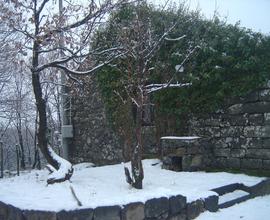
253	14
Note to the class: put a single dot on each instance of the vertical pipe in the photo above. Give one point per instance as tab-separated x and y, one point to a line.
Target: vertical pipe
18	159
63	88
2	159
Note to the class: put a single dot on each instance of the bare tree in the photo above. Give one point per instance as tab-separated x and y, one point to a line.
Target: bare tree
40	26
141	45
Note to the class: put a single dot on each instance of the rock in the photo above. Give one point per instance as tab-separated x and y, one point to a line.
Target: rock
3	211
264	95
39	215
177	204
257	107
156	208
81	214
211	203
196	162
133	211
251	163
178	217
256	119
107	213
222	152
233	163
194	209
238	152
266	164
258	153
235	109
267	118
257	131
14	213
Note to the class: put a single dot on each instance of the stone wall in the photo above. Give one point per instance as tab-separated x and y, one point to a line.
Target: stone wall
173	208
93	140
237	136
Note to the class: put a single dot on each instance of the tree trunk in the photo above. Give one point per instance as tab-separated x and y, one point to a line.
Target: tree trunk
42	129
2	160
41	106
19	130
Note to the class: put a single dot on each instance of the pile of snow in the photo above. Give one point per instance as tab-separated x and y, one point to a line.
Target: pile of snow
105	186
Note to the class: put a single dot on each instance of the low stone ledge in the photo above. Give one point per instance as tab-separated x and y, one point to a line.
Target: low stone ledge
177	204
107	213
211	203
157	208
133	211
79	214
194	209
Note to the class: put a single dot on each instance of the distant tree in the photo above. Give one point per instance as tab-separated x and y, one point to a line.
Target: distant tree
68	37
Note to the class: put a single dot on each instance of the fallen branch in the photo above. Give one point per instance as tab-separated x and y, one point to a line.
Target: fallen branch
75	196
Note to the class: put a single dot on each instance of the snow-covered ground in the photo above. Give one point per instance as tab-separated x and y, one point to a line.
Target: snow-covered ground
254	209
104	186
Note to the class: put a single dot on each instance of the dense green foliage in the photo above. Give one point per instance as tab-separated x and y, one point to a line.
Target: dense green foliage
231	61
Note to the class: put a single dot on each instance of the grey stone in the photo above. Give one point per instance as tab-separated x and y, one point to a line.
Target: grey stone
235	109
107	213
233	163
154	208
238	152
258	107
211	203
196	162
220	162
251	97
234	120
258	153
80	214
212	132
39	215
265	142
178	217
3	211
264	95
177	204
257	131
14	213
266	164
256	119
267	118
252	143
222	152
251	163
212	122
232	131
194	209
186	162
133	211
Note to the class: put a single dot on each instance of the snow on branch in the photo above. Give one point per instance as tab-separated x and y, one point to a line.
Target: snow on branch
90	71
156	87
63	173
174	39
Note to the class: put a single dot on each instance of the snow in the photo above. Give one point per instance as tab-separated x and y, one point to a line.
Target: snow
64	166
253	209
105	186
233	195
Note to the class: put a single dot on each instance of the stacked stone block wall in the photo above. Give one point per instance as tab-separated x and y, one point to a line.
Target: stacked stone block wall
237	136
173	208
